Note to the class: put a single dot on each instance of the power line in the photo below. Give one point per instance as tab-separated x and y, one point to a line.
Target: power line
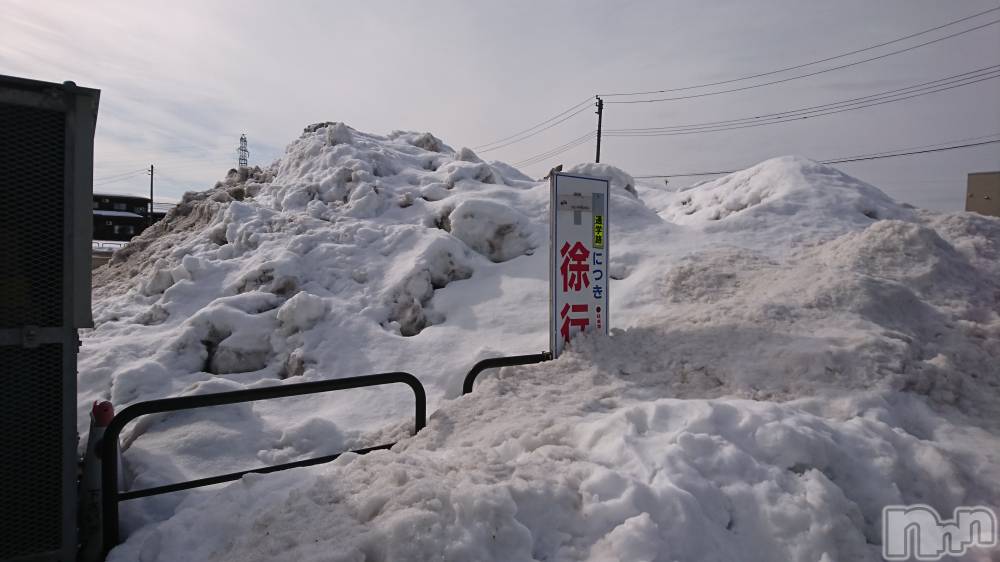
686	175
889	96
176	178
549	120
185	164
107	170
941	88
908	89
937	144
831	69
525	137
223	164
859	159
174	153
117	179
557	150
898	94
876	156
862	105
110	182
787	68
545	157
215	155
119	175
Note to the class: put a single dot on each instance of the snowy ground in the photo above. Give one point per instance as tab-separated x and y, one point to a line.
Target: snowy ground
791	351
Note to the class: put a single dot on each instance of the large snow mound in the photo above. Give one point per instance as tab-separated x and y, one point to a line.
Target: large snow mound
782	192
791	351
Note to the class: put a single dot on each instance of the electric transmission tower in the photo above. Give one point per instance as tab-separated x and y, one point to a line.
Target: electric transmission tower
243	151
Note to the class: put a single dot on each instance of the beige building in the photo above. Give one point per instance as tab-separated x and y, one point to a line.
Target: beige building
984	193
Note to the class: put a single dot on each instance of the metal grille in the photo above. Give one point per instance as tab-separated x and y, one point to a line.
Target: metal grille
31	464
32	143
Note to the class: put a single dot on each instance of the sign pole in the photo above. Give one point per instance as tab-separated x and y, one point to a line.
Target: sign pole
149	219
553	329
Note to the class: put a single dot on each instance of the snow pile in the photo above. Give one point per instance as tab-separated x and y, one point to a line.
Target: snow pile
791	351
492	229
781	193
347	235
563	462
619	178
894	304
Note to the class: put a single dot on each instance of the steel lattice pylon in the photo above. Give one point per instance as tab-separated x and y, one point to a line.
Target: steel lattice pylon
243	151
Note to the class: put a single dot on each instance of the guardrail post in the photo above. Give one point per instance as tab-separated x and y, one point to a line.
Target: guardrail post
494	362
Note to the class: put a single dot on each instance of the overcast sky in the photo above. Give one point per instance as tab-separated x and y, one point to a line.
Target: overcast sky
181	80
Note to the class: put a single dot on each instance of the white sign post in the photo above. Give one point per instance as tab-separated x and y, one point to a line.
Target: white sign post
578	258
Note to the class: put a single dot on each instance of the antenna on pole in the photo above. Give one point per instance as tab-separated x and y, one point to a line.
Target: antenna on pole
600	116
243	151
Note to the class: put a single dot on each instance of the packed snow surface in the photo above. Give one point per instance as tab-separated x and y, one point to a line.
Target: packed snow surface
791	350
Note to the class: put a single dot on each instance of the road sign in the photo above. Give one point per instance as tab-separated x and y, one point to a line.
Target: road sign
578	257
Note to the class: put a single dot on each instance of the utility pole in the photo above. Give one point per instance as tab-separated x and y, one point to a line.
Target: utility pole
243	151
600	116
150	217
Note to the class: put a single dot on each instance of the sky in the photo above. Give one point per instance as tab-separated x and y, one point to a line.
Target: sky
180	81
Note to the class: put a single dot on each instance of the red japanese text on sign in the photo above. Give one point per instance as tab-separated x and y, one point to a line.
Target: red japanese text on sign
570	321
575	266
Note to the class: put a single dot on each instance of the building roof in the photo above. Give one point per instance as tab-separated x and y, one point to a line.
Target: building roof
120	196
103	213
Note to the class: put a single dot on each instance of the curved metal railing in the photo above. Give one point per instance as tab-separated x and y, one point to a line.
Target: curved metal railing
111	496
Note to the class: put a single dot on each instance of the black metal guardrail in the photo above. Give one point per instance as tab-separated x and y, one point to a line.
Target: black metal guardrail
111	496
494	362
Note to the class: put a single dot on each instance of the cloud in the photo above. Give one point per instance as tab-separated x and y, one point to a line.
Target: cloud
181	80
